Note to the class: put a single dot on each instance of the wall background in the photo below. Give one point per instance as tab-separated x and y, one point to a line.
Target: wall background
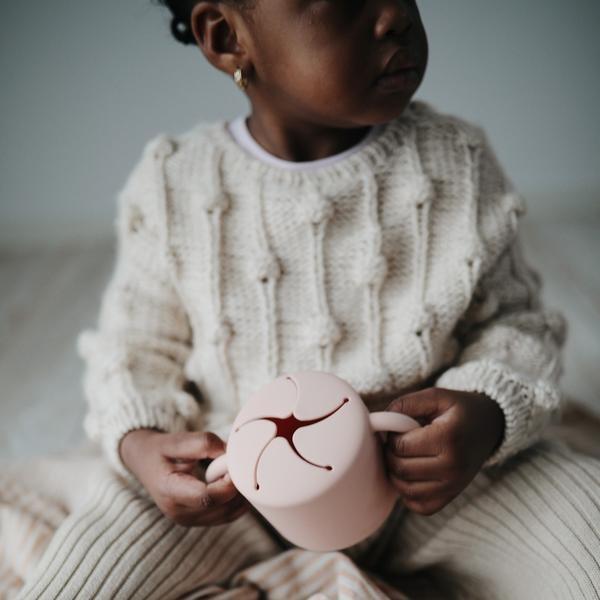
85	85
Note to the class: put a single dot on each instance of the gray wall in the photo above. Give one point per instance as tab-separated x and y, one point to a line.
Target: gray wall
86	84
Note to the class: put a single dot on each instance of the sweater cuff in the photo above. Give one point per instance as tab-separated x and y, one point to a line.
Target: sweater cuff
110	429
528	405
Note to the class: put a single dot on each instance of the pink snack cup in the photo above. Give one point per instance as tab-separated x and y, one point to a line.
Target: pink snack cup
303	451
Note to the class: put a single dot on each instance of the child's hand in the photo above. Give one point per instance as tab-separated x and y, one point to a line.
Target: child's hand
167	466
431	465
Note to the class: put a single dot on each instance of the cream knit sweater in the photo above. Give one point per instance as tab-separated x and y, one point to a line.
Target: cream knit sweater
398	263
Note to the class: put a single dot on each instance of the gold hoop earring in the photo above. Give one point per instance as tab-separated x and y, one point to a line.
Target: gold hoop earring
239	78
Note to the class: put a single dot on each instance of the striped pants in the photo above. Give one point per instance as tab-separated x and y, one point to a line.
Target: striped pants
524	530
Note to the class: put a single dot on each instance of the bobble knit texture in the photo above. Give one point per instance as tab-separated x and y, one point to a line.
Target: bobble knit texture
397	262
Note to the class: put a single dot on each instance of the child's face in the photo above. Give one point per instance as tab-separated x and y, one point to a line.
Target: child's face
320	58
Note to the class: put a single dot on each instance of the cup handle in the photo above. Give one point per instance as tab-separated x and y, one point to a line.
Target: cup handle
388	420
216	469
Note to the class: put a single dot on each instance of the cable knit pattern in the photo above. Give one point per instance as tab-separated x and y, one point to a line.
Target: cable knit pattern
395	264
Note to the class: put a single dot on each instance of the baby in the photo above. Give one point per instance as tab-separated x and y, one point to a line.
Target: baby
341	226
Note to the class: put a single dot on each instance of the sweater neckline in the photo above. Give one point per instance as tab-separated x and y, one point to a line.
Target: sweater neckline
373	154
238	128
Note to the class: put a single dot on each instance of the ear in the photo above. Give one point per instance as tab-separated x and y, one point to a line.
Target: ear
213	27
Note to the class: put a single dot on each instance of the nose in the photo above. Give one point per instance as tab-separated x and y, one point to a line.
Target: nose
394	18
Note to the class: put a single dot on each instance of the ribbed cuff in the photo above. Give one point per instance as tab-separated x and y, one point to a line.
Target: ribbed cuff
528	405
119	401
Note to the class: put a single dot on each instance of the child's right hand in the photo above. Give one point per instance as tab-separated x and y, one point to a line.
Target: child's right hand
166	464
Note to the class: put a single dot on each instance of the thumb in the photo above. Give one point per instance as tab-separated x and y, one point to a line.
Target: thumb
423	405
193	446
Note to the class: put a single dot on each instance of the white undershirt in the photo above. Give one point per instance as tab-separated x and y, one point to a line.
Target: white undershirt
240	132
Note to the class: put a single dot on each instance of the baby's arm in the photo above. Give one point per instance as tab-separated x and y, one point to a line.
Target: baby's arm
134	378
512	353
510	360
512	345
134	357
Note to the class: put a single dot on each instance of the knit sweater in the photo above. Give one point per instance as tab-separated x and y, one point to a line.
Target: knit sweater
398	263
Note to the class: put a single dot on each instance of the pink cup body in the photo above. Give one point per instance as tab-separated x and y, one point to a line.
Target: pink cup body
327	488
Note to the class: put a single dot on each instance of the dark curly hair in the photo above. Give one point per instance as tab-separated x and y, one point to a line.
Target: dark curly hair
181	11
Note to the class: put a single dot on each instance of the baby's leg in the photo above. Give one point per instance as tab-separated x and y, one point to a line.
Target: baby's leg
119	545
528	529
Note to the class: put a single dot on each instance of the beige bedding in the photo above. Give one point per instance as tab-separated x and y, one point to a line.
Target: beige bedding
36	494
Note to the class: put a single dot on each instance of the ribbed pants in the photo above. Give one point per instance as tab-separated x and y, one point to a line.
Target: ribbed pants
525	530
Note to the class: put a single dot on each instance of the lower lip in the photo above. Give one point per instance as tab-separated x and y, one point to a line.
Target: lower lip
398	81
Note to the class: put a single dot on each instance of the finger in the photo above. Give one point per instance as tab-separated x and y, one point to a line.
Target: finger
183	488
222	490
418	491
428	403
216	514
233	510
207	505
193	446
185	466
421	442
413	469
186	490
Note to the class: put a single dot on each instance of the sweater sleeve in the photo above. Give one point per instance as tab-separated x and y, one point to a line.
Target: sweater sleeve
135	356
511	344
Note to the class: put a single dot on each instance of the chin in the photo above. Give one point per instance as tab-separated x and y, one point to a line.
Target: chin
396	109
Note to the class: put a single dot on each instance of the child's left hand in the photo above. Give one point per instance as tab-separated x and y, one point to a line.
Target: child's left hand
431	465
